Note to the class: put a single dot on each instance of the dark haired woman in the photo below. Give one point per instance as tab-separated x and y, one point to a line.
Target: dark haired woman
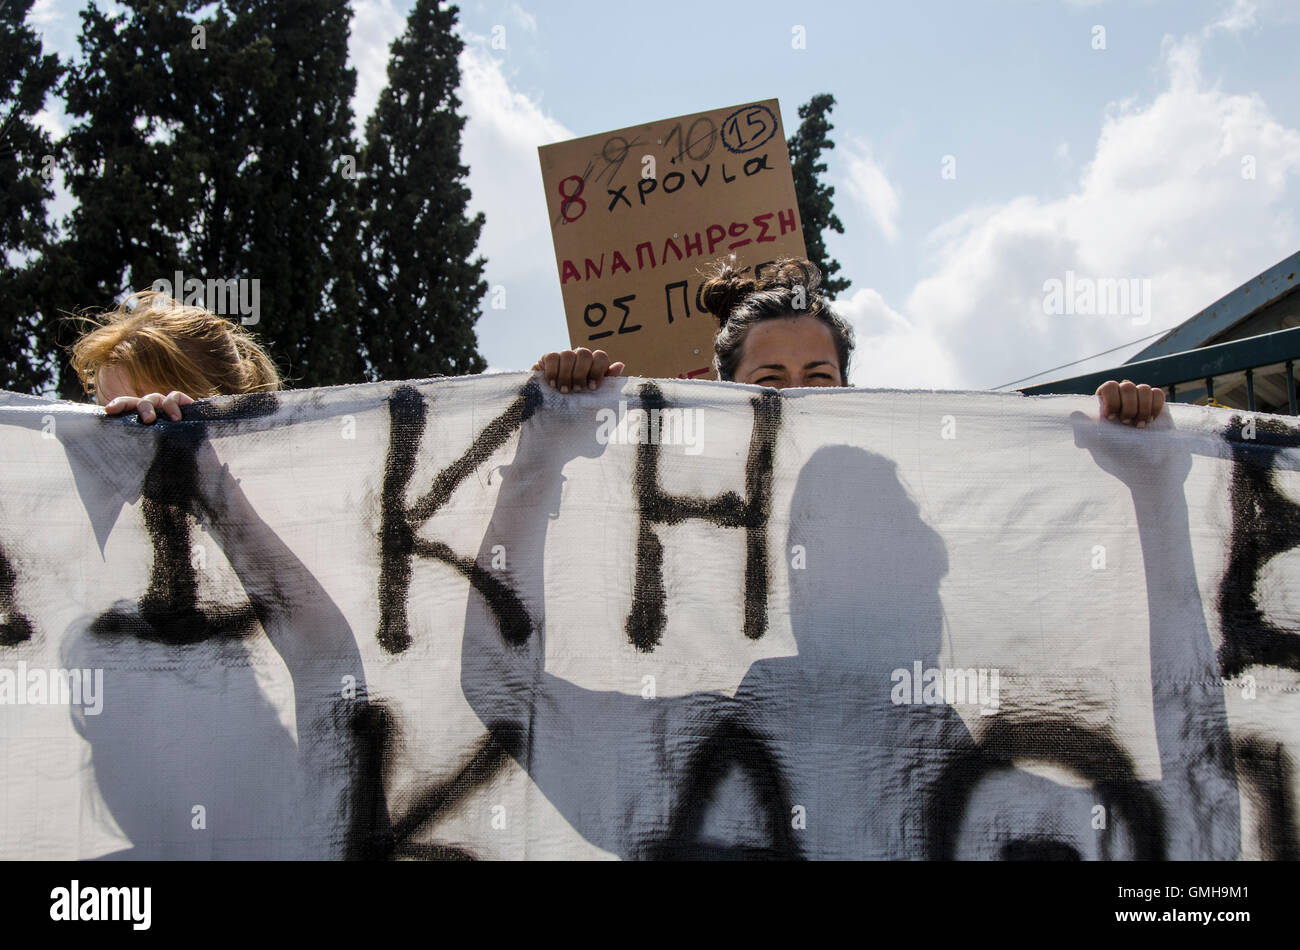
778	330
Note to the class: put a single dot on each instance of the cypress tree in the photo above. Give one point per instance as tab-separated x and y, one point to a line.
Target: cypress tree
218	147
421	289
27	75
816	209
125	163
217	143
297	204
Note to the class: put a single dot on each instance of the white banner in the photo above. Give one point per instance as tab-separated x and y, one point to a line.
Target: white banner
476	618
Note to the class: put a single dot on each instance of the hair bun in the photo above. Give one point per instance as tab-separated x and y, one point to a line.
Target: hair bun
726	288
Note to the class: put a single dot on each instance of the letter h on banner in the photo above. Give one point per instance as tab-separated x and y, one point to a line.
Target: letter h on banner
647	618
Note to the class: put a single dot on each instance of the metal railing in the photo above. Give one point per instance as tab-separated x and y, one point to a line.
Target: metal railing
1198	365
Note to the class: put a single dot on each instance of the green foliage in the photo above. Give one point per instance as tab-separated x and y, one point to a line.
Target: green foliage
816	208
216	140
127	174
27	76
296	210
420	288
217	146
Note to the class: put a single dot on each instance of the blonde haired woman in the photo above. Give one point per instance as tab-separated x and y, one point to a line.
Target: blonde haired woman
151	344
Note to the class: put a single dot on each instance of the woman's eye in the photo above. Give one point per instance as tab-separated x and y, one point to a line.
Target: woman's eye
767	379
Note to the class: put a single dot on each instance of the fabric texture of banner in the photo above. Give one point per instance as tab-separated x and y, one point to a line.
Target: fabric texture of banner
474	617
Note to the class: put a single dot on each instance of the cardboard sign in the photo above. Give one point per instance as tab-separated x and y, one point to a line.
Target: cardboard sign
636	214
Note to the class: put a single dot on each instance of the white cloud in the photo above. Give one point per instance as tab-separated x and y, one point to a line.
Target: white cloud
870	187
375	24
496	110
44	13
523	18
892	350
51	123
1163	198
1238	17
502	133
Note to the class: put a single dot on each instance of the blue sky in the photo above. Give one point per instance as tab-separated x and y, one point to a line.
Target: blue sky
1117	163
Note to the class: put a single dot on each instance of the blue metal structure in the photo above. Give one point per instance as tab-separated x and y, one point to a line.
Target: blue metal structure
1253	327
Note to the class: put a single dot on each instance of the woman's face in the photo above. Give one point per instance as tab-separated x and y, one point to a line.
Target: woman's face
789	352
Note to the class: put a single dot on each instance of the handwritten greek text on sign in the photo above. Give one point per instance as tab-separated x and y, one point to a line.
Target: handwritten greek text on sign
636	214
